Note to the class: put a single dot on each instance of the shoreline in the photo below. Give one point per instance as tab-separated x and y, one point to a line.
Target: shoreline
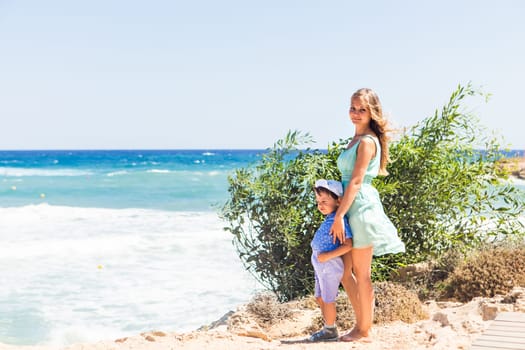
515	166
449	325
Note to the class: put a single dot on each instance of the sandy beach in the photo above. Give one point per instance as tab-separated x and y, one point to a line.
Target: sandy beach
515	166
450	325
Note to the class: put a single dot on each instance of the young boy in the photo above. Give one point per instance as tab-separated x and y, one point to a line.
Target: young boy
326	257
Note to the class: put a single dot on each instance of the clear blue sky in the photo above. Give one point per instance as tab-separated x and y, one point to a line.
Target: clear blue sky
240	74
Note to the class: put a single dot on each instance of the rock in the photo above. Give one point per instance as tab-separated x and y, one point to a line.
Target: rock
489	311
518	295
254	333
241	324
159	334
149	338
442	318
223	321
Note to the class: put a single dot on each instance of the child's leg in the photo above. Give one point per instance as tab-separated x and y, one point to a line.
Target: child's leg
330	281
317	288
321	306
328	278
329	314
319	301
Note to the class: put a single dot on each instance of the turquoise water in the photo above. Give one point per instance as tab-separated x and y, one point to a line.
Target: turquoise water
167	180
106	244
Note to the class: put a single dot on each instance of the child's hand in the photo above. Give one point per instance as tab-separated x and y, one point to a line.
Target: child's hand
323	257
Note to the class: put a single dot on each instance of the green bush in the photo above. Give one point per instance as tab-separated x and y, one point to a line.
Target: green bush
441	193
273	215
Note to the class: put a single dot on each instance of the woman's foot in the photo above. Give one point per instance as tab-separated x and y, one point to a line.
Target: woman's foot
356	336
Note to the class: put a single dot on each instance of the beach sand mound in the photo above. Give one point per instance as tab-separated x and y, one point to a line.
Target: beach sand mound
515	166
450	325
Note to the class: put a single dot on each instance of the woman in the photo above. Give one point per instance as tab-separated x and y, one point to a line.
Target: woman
373	233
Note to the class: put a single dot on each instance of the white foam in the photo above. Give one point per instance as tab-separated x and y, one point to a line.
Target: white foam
159	171
88	270
517	181
78	333
116	173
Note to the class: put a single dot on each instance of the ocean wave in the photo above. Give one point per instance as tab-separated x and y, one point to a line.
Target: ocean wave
19	172
88	230
208	154
14	161
115	173
159	171
517	181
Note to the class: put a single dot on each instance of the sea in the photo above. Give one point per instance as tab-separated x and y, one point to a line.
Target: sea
101	245
104	244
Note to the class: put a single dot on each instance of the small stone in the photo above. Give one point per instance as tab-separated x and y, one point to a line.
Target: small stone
442	318
149	338
489	311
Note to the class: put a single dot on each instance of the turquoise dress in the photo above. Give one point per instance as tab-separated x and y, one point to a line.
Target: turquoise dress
368	221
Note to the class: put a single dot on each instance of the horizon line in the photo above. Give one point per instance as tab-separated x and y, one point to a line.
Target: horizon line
130	149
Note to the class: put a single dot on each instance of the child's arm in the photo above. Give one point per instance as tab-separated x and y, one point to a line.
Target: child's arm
341	250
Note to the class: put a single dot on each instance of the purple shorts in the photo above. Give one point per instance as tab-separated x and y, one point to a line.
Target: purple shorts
327	277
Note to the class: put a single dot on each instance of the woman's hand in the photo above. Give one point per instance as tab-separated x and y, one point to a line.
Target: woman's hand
338	230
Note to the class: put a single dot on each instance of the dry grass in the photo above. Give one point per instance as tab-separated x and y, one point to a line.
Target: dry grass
487	273
394	302
267	310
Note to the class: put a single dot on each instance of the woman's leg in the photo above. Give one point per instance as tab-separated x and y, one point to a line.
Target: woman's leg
362	268
350	285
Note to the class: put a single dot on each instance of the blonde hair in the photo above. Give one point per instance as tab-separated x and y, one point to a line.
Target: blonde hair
378	123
